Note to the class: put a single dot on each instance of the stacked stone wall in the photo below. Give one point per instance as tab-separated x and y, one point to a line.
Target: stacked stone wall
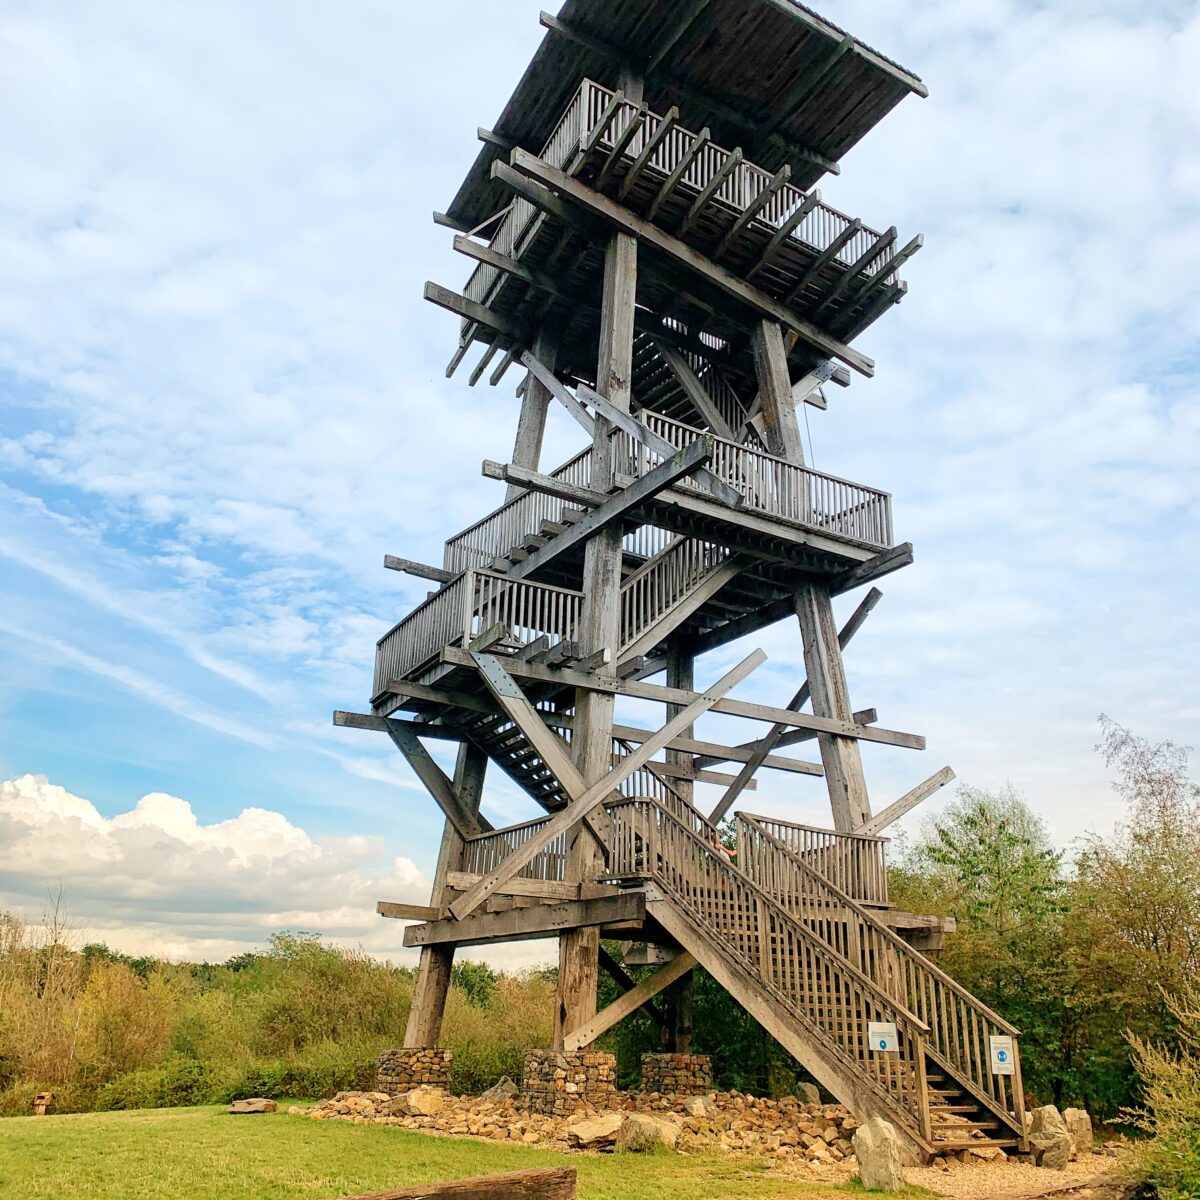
558	1083
402	1070
677	1074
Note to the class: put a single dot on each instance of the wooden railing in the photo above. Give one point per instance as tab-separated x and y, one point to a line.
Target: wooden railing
823	991
772	485
660	583
486	851
854	862
466	607
959	1024
590	108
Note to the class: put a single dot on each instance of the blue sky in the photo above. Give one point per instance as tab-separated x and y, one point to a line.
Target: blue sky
224	401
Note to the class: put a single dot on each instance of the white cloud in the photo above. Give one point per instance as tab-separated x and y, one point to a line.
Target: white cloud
157	876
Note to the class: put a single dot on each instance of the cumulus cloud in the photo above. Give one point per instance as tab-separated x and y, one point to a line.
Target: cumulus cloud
157	876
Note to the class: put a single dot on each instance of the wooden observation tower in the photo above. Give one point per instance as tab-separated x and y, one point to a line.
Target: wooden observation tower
649	250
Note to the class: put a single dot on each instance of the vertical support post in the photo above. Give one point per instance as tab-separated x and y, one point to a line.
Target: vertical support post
681	673
814	608
433	973
679	1000
775	389
600	628
831	698
531	424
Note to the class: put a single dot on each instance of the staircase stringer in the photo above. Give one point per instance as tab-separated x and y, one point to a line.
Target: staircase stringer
836	898
804	1042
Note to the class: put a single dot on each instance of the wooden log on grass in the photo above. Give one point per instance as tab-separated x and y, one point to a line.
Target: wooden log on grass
554	1183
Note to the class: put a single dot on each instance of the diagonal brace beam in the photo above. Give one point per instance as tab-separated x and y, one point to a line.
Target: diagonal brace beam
771	740
583	802
629	1003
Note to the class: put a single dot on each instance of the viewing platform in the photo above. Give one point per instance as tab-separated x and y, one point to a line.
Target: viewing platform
828	268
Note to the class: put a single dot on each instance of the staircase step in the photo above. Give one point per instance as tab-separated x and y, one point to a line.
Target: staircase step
953	1108
941	1147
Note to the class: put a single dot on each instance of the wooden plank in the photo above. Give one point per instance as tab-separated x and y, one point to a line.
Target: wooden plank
353	720
537	482
782	233
761	755
435	695
751	210
436	781
665	125
591	201
775	393
392	563
681	168
710	189
583	802
681	464
541	1183
641	690
874	568
624	981
629	1003
524	924
897	809
535	889
694	390
408	912
455	302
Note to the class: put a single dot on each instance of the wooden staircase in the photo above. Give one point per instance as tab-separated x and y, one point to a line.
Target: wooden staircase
810	987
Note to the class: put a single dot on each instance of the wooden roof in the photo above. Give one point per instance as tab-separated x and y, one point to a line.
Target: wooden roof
770	76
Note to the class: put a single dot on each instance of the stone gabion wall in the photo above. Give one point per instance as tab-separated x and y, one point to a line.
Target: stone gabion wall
559	1083
677	1074
402	1070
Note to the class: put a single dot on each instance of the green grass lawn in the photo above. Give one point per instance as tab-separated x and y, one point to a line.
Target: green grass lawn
205	1154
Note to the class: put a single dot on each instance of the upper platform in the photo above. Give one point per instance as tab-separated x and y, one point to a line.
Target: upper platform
770	76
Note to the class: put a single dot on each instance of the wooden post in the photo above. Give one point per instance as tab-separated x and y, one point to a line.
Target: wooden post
814	609
600	629
681	673
433	973
531	424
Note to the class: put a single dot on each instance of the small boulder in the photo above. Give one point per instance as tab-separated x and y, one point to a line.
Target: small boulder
595	1133
504	1089
257	1105
880	1156
699	1106
639	1132
808	1093
1079	1125
422	1101
1050	1139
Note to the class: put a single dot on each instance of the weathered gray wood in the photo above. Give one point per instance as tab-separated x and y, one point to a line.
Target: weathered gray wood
455	302
352	720
894	811
625	981
531	423
466	823
522	924
582	803
874	568
647	152
536	889
392	563
732	163
541	1183
695	390
408	912
827	256
534	481
629	1003
775	392
751	210
681	168
831	698
667	695
762	754
591	201
681	464
784	232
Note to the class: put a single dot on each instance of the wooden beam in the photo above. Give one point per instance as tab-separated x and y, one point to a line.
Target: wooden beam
781	234
582	802
751	210
874	568
591	201
768	743
665	125
353	720
408	912
447	697
641	690
539	1183
626	983
466	822
630	1002
894	811
559	391
535	889
457	303
710	189
823	259
535	481
672	181
668	37
695	391
392	563
681	464
620	145
851	273
522	924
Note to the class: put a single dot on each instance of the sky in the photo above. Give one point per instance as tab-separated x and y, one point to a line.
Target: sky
222	401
